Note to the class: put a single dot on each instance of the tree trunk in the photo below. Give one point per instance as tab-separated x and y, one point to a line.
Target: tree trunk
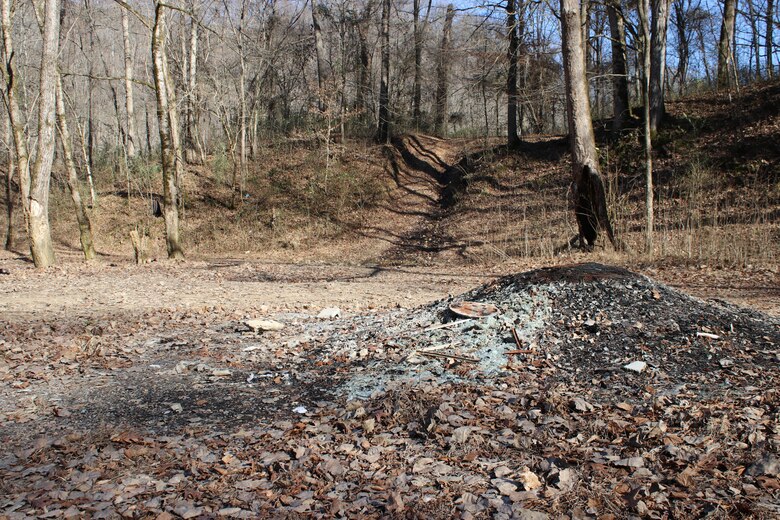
39	230
416	88
645	48
132	135
323	71
511	79
442	76
9	185
167	129
383	127
364	73
590	196
658	61
725	51
191	154
621	109
683	43
770	23
85	226
755	44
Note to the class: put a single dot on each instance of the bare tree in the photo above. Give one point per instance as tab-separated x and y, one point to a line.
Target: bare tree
511	78
383	127
9	187
621	109
168	129
645	50
131	136
72	179
419	30
191	142
590	196
770	24
82	218
726	71
323	67
658	61
441	104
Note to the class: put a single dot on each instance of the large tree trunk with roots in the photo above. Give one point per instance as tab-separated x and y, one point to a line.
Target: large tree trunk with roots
658	61
383	127
621	109
169	143
589	193
37	203
513	138
725	51
441	104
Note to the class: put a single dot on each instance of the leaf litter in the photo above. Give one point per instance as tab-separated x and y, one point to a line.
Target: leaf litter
526	413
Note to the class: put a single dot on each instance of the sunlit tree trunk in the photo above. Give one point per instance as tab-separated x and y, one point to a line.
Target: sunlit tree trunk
725	51
169	144
323	71
441	104
658	61
37	202
132	135
590	196
383	127
645	49
511	79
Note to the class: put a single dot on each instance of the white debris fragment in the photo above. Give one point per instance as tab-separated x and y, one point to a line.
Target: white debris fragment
707	335
176	407
636	366
300	409
329	313
264	325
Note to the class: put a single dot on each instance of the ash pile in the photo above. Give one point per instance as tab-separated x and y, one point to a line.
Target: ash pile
591	390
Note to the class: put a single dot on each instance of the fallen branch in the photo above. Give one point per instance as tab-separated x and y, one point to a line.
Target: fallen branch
456	357
446	325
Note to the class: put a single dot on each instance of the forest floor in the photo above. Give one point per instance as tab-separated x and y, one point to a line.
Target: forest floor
592	391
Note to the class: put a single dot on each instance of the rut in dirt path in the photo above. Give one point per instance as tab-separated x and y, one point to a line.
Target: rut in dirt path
422	167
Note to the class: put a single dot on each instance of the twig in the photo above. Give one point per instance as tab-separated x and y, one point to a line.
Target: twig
446	325
447	356
516	338
437	347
